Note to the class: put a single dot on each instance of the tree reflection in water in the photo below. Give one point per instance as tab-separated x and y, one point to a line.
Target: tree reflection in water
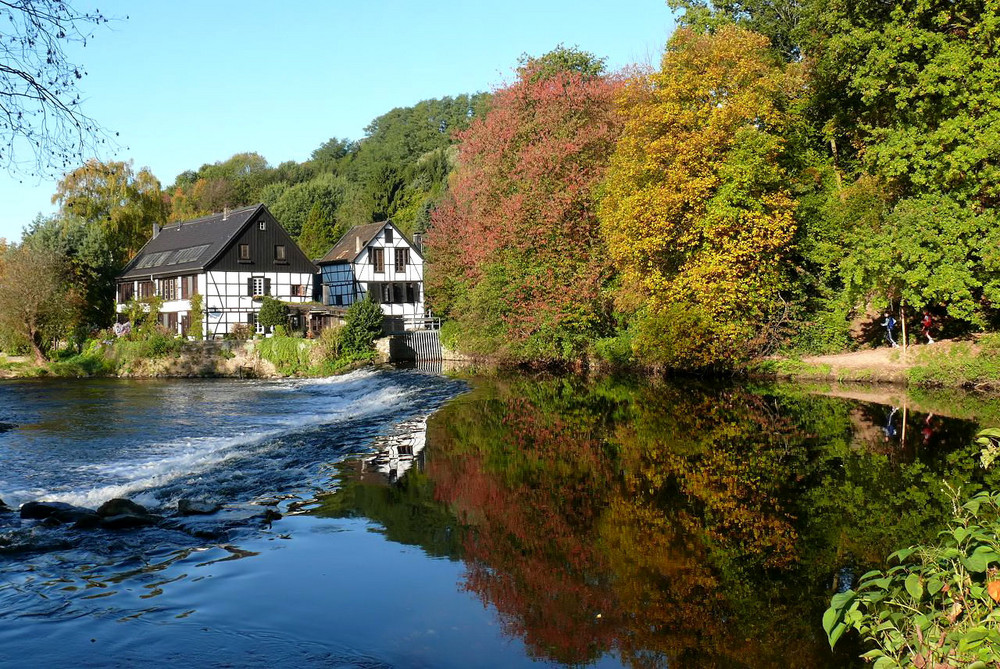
669	524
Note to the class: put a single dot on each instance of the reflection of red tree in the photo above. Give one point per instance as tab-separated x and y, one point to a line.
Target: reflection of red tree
592	534
532	551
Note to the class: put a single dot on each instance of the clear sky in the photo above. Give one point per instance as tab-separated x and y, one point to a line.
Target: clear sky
190	82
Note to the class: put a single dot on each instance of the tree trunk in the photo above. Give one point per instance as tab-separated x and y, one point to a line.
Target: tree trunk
37	349
902	320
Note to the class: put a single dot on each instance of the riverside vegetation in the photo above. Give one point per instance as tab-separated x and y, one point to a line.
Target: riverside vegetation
778	183
149	350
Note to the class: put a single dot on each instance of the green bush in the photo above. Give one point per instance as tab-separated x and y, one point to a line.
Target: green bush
937	606
450	335
615	350
82	365
197	317
827	332
363	323
272	313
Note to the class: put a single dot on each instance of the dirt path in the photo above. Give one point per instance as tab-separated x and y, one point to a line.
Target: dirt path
877	365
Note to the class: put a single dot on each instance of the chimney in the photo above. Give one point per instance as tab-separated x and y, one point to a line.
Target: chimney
357	244
418	241
225	213
156	229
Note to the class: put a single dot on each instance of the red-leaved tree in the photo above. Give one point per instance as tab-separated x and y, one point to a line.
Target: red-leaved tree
515	251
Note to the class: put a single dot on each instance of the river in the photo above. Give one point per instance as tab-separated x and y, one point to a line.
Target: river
434	522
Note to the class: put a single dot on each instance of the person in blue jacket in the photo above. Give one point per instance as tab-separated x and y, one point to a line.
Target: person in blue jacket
890	324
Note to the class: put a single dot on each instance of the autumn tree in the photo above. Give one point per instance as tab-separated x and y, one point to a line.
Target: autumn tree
40	110
515	252
36	303
696	208
125	203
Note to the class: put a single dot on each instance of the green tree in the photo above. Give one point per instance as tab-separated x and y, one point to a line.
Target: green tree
272	313
318	234
363	323
89	260
197	317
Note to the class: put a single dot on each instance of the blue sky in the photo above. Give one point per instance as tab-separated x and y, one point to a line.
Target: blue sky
191	82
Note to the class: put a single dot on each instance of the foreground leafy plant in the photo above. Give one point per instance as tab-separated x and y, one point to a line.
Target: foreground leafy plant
937	606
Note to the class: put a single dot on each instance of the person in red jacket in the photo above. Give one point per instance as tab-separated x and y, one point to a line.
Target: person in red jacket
927	323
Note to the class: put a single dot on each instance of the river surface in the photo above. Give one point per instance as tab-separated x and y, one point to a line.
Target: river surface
488	522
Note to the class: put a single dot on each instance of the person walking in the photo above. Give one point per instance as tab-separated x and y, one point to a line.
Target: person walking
927	322
890	324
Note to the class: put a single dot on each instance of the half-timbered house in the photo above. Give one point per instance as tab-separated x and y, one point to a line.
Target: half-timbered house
231	259
377	258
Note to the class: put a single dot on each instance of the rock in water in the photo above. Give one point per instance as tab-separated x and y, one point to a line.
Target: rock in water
192	507
65	513
4	508
127	521
119	506
5	427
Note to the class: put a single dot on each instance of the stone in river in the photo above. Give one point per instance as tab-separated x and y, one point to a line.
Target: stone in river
5	427
193	507
127	521
65	513
4	508
119	506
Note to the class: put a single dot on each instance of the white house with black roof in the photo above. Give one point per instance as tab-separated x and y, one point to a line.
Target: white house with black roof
377	258
232	259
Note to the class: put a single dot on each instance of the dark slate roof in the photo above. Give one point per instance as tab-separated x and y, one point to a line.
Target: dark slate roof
346	249
189	245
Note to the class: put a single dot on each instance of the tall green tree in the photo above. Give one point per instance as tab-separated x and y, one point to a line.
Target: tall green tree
36	301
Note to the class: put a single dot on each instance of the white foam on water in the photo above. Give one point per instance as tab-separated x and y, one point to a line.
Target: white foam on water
161	463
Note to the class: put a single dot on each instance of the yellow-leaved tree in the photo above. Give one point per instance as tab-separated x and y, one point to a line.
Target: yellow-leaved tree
695	208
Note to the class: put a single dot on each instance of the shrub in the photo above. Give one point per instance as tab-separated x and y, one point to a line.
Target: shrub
936	607
240	332
197	317
330	342
272	313
363	324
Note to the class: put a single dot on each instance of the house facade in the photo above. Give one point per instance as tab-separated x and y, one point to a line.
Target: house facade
231	259
380	260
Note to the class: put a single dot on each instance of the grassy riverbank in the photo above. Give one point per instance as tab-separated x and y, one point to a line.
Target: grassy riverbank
164	357
971	364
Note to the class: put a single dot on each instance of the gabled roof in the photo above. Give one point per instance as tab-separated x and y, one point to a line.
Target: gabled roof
189	245
346	249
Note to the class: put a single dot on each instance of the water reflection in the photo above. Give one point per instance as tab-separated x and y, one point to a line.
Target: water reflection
663	524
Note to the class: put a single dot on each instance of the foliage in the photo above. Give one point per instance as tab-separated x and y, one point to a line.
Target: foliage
272	313
362	324
318	233
89	257
240	332
124	203
38	86
695	209
290	355
196	317
331	342
36	302
937	606
515	253
989	440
